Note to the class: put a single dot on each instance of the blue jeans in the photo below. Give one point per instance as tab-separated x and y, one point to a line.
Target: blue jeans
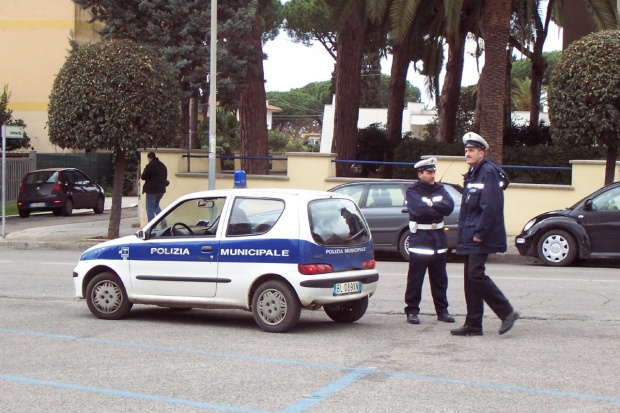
152	205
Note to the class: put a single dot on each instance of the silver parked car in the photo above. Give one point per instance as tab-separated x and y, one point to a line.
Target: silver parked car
383	204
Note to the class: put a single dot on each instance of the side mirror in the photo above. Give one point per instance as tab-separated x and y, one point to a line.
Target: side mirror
588	205
140	234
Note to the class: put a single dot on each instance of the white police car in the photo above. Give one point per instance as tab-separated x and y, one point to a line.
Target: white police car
269	251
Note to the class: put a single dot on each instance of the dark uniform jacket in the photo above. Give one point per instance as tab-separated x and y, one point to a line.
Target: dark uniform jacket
420	212
482	210
155	176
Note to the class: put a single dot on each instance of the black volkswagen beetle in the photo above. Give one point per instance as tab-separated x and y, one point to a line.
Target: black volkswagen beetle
588	229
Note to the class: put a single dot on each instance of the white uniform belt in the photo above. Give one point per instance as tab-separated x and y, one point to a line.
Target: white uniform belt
426	251
438	225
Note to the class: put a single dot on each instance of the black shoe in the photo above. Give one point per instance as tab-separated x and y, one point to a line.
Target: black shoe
413	319
466	331
508	322
445	317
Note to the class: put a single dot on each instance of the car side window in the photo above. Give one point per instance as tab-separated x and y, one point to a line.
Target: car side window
454	193
198	217
253	216
607	201
385	195
354	191
80	178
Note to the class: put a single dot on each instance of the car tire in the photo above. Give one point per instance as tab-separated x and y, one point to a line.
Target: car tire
67	208
98	209
557	248
57	212
106	297
403	245
275	306
348	311
24	213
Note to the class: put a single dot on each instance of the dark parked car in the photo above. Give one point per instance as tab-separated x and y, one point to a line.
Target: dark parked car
59	190
383	204
588	229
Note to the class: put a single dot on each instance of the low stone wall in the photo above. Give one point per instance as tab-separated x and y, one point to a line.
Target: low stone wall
311	170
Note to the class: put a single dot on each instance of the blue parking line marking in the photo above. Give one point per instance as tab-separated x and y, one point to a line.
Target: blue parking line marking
131	395
332	388
347	379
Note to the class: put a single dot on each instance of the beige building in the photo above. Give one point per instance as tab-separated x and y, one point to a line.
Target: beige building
34	39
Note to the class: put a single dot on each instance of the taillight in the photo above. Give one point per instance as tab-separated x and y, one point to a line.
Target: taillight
312	269
57	183
368	264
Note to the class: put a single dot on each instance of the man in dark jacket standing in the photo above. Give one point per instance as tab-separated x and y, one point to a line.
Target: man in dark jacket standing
428	203
155	176
482	232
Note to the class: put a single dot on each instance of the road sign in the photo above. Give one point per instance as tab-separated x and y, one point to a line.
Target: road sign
12	132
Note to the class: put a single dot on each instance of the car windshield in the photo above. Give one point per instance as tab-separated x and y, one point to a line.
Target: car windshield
337	222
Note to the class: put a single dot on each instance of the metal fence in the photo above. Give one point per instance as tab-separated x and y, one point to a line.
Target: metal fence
16	168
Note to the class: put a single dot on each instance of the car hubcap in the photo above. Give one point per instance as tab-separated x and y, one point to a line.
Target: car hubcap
107	297
272	307
555	248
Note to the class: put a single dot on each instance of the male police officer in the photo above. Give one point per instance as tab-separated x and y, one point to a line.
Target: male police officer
428	203
482	232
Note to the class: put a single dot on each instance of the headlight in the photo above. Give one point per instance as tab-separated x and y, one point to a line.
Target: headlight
529	224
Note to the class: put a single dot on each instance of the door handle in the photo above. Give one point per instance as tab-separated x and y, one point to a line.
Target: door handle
206	248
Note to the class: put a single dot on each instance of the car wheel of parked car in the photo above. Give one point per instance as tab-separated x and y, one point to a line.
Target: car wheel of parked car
100	205
67	208
275	306
24	213
57	212
106	297
403	245
557	248
347	312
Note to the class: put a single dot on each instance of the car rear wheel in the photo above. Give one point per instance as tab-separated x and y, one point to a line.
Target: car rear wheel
403	245
67	208
557	248
347	312
100	205
275	306
24	213
106	297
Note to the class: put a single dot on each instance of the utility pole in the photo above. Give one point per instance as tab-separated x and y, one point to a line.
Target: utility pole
212	93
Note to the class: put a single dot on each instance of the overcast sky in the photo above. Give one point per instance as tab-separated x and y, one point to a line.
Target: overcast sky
292	65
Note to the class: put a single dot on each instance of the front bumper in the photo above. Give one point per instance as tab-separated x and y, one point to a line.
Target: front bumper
525	245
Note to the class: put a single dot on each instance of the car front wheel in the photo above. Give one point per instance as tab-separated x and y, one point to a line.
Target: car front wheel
106	297
275	306
98	209
347	312
557	248
403	245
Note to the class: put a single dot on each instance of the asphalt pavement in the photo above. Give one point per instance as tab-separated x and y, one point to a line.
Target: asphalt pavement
90	229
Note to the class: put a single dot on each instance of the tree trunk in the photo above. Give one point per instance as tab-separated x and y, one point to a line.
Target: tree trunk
117	194
451	91
348	76
494	28
396	101
253	110
507	99
538	71
610	166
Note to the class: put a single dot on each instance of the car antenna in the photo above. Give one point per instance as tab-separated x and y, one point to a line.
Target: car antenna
444	174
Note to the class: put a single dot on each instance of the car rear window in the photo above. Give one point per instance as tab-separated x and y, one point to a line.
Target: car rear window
42	177
337	222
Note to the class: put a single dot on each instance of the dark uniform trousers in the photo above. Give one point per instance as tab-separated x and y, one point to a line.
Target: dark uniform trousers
437	275
480	288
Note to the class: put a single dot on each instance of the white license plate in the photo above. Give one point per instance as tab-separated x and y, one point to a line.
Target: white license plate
352	287
37	204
